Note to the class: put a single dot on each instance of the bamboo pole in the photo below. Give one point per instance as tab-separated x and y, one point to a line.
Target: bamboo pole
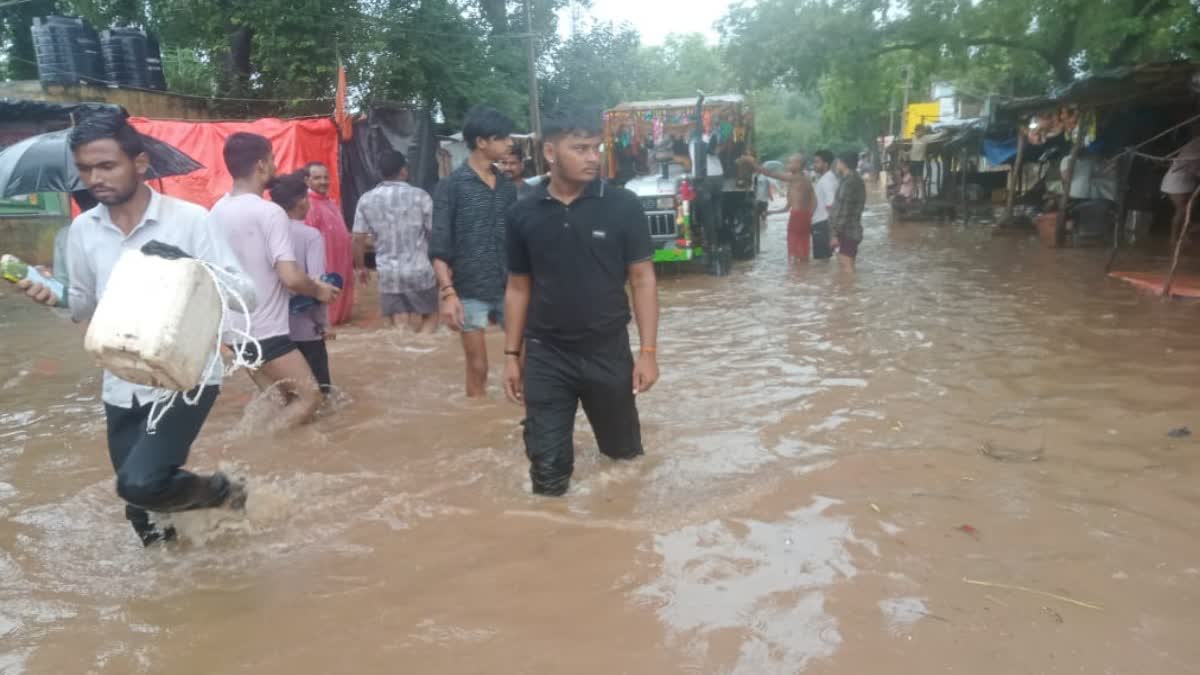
1014	177
1126	166
1187	221
1060	225
962	168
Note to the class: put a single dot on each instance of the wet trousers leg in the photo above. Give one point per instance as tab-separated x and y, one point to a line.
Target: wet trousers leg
556	380
148	466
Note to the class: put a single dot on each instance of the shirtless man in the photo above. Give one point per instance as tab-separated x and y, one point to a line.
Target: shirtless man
801	202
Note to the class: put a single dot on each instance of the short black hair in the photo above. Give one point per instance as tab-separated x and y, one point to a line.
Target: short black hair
99	126
486	123
518	151
571	121
287	190
243	150
391	163
826	155
850	159
307	170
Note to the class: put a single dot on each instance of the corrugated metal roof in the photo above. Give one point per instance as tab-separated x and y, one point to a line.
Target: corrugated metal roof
679	102
1165	82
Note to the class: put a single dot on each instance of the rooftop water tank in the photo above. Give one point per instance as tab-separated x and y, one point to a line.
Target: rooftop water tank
67	51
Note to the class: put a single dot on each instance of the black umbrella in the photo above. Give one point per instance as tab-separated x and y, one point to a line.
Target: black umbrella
43	163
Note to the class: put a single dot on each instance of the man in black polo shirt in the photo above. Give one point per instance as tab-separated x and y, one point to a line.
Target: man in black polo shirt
572	246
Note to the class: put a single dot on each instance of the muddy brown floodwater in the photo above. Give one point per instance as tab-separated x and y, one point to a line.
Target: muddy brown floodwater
815	449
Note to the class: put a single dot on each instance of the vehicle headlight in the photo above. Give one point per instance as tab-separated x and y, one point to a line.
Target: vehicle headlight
666	203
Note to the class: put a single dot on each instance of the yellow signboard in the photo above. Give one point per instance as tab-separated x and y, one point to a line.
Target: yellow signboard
920	113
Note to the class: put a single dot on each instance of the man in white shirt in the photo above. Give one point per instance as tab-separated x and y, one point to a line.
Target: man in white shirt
112	163
826	189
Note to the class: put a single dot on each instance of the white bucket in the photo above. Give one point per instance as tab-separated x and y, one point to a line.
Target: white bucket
157	323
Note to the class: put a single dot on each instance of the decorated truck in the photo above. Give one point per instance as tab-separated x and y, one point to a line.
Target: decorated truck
686	159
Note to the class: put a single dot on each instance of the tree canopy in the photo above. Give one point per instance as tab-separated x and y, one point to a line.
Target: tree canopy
853	52
444	53
814	68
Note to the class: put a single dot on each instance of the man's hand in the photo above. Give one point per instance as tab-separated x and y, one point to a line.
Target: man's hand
513	387
452	312
364	275
833	243
38	293
645	373
327	293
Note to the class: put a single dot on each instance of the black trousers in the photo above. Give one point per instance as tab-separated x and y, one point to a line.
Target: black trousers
556	381
822	239
317	355
148	466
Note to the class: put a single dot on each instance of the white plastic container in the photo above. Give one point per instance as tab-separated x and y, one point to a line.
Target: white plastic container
157	323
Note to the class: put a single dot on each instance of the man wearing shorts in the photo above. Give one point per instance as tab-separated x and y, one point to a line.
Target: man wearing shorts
309	326
1181	181
398	218
848	208
572	248
260	234
802	201
467	245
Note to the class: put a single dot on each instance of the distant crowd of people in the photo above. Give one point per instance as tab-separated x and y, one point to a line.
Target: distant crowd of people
548	263
824	208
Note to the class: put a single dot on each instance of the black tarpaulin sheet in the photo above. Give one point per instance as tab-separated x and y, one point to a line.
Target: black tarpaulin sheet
409	130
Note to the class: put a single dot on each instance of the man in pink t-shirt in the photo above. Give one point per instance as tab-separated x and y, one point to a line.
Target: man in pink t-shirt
259	232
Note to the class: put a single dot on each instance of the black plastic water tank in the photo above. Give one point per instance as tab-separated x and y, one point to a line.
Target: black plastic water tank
154	65
67	51
125	52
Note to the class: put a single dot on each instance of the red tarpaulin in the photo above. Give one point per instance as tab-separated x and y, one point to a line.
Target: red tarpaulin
1183	286
296	143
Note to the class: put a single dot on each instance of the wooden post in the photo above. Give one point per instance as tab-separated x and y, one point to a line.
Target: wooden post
1125	165
1014	175
965	201
1187	222
1060	225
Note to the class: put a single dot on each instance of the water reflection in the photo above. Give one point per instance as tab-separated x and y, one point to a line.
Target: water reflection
763	582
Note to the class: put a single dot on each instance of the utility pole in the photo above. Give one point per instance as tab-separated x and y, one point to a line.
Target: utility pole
892	114
908	77
535	107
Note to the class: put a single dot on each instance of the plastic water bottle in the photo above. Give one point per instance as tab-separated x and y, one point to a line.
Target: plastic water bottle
15	270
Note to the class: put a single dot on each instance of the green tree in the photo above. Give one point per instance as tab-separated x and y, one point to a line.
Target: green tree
681	66
430	53
598	68
1057	38
784	122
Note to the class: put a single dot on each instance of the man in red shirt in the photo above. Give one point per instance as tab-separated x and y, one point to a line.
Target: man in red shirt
326	216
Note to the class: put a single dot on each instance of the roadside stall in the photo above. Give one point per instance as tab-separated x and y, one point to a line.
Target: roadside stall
958	180
1099	149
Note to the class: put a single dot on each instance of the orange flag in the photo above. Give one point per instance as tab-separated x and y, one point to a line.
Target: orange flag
340	117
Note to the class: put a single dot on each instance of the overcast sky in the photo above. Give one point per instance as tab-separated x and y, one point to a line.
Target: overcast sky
655	19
